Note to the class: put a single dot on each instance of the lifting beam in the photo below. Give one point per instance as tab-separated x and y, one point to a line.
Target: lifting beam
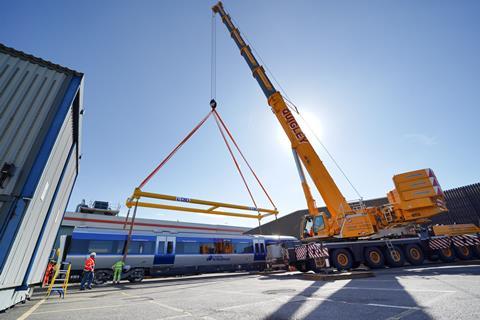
211	208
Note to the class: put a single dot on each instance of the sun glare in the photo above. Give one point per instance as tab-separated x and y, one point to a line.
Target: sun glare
313	128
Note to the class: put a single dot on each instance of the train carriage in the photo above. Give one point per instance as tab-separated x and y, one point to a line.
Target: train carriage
165	253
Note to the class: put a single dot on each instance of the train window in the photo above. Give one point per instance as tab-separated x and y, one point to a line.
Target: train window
207	247
161	247
118	247
243	247
100	246
148	247
257	249
84	246
141	247
79	246
262	248
188	247
169	247
223	246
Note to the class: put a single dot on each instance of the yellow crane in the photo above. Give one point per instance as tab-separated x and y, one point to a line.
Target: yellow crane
417	195
388	234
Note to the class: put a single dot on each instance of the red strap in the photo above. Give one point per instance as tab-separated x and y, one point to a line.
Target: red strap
144	182
234	159
244	159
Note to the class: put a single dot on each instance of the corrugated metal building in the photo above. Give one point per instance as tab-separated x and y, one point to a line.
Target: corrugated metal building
463	207
40	123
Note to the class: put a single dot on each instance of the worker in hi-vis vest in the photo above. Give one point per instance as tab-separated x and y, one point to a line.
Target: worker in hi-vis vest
88	275
117	271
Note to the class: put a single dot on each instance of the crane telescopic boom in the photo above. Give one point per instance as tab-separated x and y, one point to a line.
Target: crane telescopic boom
302	149
417	195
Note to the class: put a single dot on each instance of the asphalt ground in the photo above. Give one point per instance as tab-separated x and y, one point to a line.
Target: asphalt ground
434	291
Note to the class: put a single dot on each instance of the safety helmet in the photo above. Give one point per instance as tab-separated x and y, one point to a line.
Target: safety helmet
93	254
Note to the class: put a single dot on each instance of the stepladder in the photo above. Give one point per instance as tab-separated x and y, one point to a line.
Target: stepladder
59	282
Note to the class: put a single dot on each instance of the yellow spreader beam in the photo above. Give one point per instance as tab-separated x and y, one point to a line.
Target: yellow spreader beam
211	209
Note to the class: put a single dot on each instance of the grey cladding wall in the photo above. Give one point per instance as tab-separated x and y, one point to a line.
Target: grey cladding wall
40	127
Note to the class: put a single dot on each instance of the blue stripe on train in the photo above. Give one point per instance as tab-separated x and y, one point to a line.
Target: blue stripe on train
110	236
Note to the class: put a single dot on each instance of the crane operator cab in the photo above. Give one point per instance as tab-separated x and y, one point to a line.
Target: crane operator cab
313	226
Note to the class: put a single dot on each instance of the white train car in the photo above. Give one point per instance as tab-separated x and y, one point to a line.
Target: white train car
41	111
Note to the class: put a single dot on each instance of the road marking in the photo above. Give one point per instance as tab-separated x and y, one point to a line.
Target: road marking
384	289
392	306
244	305
409	312
31	310
442	267
91	308
362	304
166	306
176	317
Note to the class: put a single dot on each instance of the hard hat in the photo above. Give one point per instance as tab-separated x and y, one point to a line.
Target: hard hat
93	254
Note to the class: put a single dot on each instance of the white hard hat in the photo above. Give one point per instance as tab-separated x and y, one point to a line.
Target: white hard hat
94	254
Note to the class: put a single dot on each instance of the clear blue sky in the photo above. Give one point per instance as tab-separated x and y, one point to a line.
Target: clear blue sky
390	86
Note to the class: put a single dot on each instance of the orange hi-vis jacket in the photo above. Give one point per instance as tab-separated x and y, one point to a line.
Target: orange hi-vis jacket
89	264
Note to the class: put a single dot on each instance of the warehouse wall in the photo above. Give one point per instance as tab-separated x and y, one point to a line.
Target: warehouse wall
40	111
463	207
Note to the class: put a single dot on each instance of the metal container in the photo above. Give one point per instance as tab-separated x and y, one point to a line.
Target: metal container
41	109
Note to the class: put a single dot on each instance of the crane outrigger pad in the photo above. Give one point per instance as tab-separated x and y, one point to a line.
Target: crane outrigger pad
211	207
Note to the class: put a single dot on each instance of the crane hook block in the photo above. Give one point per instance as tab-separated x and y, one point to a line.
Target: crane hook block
213	103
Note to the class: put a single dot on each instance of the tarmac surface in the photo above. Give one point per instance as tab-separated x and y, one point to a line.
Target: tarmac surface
434	291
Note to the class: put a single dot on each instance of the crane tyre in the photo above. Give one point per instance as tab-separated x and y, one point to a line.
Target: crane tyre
446	254
414	254
398	260
374	258
463	252
342	259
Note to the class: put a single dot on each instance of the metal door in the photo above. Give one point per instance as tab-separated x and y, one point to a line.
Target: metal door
165	251
259	250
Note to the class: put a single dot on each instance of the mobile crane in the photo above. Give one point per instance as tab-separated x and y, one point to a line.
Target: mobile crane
374	234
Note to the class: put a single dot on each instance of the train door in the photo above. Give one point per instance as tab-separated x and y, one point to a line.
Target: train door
259	250
165	253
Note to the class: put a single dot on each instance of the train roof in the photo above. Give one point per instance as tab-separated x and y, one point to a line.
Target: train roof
160	233
180	234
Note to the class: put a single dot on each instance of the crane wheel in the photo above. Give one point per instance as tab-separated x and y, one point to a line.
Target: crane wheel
446	254
374	257
395	258
414	254
463	252
342	259
476	250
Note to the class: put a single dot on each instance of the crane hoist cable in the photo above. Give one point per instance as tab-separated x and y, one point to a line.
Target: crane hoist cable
213	60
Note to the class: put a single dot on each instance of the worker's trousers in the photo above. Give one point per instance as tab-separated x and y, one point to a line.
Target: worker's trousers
117	274
87	278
